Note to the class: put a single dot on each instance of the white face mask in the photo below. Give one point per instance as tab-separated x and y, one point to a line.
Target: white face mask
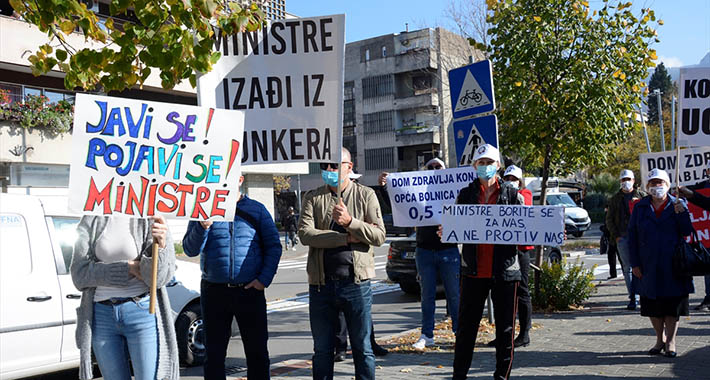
514	184
658	191
627	185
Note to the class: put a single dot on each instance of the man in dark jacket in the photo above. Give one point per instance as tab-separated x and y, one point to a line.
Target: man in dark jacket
238	260
290	227
617	221
487	267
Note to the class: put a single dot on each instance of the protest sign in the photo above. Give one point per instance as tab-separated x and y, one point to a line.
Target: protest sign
701	220
694	106
502	224
417	197
288	80
694	163
142	158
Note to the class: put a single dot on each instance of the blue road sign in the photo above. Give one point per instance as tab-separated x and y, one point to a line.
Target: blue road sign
472	89
469	134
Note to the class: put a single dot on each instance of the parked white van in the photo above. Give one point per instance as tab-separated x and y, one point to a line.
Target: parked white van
38	300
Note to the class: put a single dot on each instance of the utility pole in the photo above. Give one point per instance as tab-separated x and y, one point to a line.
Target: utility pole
660	118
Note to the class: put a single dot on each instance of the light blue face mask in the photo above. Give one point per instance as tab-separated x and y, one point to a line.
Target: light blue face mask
330	178
486	171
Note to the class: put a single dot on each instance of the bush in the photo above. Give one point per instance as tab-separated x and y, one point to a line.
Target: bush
562	286
597	216
604	183
595	201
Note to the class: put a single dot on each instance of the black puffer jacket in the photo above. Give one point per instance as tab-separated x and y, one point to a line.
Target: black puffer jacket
505	257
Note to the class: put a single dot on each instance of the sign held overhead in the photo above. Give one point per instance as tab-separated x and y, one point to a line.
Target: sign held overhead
694	106
288	80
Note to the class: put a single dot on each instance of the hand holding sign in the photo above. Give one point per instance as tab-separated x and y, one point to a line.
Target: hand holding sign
341	215
159	230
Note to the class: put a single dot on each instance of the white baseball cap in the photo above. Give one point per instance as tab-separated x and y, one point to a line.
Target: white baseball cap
354	175
626	173
437	161
658	173
487	151
514	171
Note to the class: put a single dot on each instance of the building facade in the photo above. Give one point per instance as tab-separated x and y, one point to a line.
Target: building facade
34	158
397	109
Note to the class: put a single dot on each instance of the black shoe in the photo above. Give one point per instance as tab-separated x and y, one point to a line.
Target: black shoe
379	351
655	351
704	304
491	343
670	354
521	342
631	305
340	357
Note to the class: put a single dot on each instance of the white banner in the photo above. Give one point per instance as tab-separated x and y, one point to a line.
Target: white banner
142	158
288	80
694	164
694	106
501	224
417	197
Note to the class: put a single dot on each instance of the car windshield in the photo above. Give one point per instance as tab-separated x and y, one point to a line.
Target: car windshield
560	200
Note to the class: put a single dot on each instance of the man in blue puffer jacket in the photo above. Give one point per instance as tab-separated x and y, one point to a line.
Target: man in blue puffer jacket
238	260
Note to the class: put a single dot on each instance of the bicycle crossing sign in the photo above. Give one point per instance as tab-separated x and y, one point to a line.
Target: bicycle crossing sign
469	134
472	89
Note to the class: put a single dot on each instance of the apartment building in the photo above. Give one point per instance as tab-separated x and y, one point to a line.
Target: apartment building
397	109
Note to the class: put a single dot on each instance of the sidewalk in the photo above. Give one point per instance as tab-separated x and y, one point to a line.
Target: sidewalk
603	341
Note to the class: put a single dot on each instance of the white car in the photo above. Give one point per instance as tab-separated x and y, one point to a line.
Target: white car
39	300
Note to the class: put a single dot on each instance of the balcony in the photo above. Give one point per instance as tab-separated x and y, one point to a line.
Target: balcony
427	99
417	134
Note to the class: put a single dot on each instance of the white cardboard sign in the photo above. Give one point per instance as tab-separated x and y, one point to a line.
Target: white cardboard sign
143	158
288	80
503	224
694	106
694	163
417	197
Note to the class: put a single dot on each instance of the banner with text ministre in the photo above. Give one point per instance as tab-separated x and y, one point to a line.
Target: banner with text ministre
694	106
694	164
144	158
417	197
288	80
503	224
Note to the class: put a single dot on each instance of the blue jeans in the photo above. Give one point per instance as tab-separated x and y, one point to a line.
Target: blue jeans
355	301
290	235
446	263
122	331
623	247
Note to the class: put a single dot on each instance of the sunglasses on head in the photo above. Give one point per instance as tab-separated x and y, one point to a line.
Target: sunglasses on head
434	167
332	165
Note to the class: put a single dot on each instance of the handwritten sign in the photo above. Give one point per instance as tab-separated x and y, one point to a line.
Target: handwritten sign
694	165
417	197
501	224
288	79
142	158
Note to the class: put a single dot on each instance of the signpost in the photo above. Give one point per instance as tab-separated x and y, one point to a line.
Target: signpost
469	134
472	89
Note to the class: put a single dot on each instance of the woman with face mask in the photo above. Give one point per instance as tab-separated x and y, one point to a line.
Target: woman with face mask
657	224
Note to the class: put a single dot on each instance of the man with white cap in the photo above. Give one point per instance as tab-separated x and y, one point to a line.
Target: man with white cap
436	257
487	267
617	221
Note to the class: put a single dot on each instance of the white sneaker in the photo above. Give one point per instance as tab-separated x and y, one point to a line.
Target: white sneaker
293	248
423	341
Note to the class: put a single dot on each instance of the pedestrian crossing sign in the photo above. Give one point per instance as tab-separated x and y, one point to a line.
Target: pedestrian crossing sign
469	134
472	89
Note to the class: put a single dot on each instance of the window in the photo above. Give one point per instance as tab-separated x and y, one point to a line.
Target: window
15	253
384	52
378	122
367	55
349	113
349	90
65	233
377	86
380	158
17	93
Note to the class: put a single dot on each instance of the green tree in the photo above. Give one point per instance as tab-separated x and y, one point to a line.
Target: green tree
173	37
660	80
565	76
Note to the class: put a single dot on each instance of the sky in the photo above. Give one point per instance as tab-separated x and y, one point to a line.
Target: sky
685	35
